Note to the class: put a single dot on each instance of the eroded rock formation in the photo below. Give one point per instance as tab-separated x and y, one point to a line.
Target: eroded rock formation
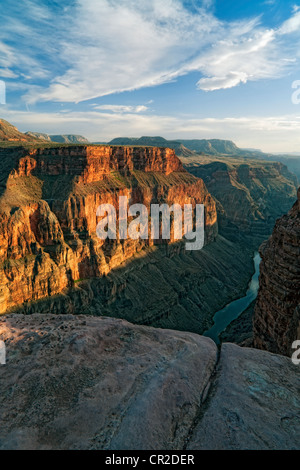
48	205
277	310
251	194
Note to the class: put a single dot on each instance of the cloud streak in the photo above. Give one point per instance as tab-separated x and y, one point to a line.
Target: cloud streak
114	108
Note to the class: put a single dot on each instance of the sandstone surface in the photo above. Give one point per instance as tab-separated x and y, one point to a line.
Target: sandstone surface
101	383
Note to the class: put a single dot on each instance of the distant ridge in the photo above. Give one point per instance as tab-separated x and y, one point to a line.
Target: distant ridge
158	141
188	147
214	147
60	138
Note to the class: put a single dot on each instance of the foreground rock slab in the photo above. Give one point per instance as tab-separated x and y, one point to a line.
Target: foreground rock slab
101	383
254	403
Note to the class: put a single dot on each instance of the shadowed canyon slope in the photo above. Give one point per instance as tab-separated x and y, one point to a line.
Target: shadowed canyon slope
277	310
101	383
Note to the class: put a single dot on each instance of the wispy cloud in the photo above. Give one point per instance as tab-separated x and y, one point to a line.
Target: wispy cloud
114	108
75	51
89	49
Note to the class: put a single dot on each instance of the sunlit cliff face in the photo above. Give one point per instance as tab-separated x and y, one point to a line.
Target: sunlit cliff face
49	217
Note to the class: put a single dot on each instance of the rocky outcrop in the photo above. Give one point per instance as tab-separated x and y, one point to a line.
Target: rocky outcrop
99	383
48	210
94	163
9	133
250	194
277	310
253	403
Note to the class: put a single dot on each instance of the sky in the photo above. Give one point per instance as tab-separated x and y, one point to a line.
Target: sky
181	69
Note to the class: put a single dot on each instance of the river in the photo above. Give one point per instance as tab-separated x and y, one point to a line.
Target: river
234	309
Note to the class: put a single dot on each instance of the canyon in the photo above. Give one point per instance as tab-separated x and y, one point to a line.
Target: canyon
250	194
52	260
49	198
102	337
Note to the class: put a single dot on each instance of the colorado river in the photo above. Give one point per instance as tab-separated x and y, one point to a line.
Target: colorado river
231	311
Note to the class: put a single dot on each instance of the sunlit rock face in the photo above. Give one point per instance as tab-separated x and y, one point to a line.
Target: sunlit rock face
9	133
277	311
48	204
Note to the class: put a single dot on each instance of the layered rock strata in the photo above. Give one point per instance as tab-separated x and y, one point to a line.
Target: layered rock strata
277	310
48	205
250	194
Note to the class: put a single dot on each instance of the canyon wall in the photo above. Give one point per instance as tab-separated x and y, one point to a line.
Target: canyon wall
48	202
250	194
277	310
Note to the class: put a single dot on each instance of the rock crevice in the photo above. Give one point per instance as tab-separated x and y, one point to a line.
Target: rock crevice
100	383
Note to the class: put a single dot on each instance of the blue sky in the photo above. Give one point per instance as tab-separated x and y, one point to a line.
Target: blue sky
176	68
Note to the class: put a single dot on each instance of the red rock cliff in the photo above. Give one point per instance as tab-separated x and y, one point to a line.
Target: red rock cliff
48	211
91	164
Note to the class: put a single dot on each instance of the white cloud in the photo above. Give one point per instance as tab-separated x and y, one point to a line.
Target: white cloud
97	48
291	25
216	83
114	108
113	46
7	73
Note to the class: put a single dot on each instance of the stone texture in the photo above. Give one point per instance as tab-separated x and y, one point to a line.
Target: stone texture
277	310
93	163
254	403
88	383
99	383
